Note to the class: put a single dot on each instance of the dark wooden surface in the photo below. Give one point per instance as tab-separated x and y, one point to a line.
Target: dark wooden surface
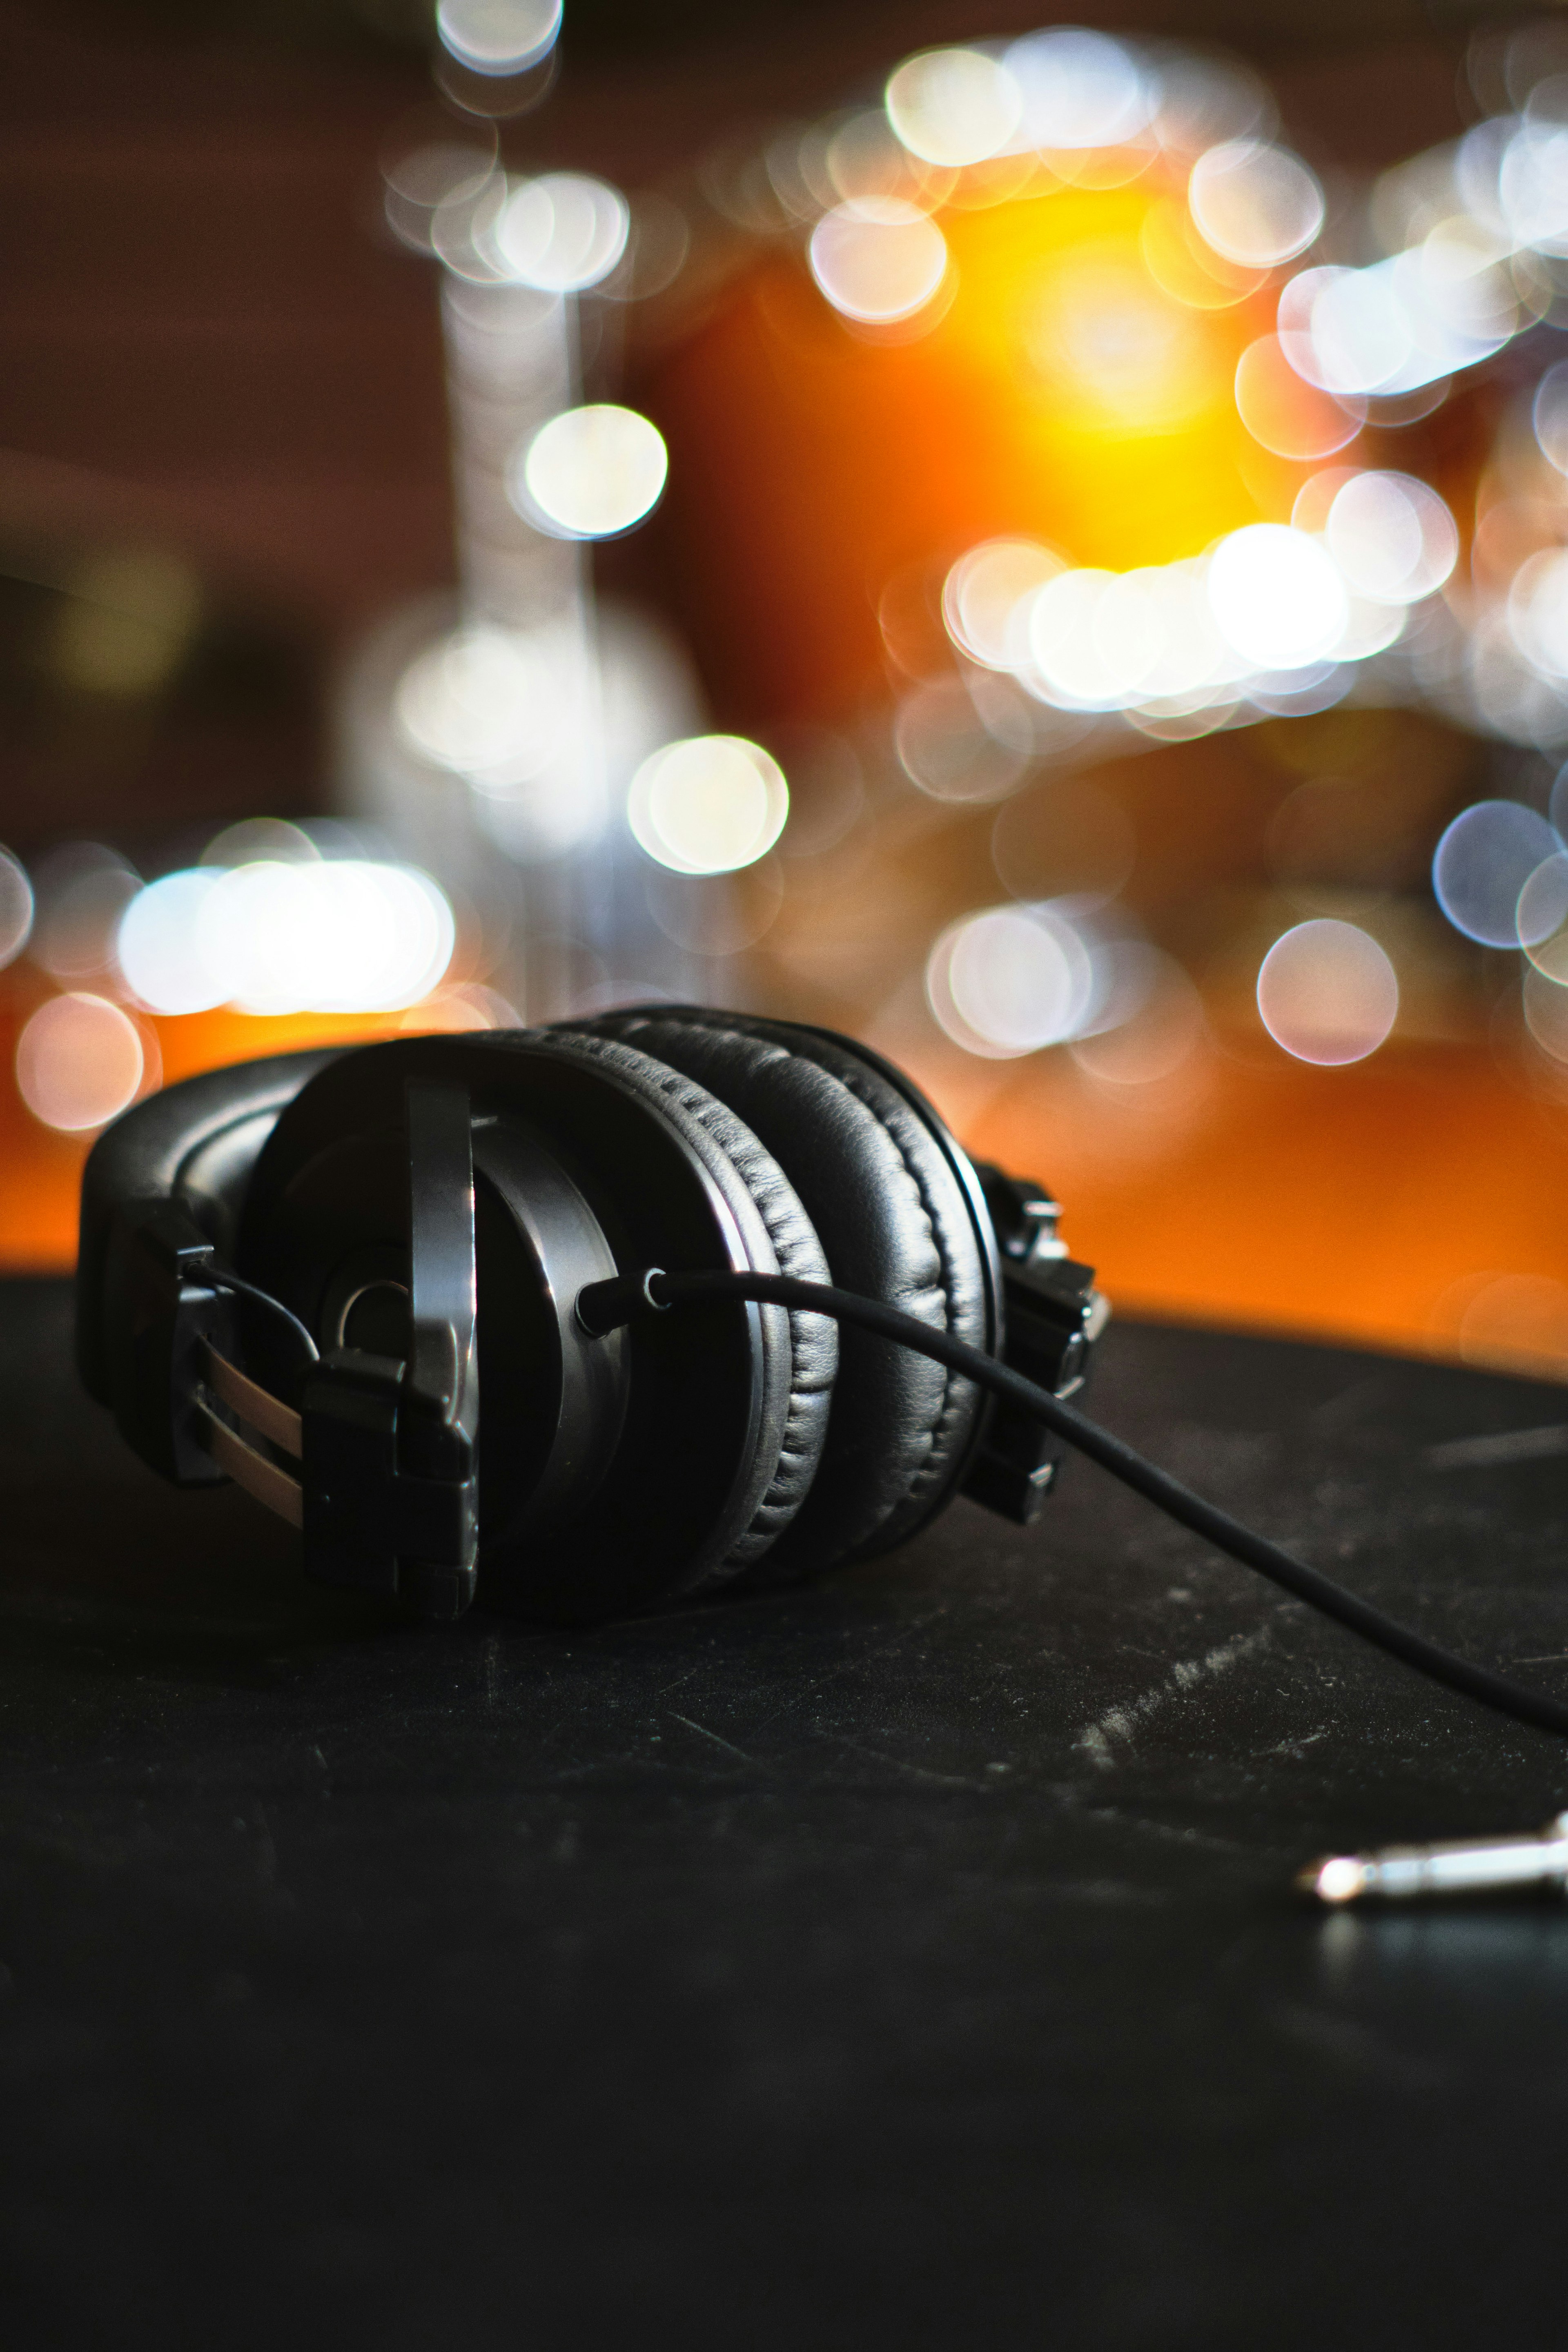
909	1961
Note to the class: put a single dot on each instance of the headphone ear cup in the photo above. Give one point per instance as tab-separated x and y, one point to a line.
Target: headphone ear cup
723	1407
790	1453
877	1173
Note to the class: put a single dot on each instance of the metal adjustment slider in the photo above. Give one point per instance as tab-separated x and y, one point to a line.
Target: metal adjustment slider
390	1466
1053	1316
1456	1866
379	1467
169	1312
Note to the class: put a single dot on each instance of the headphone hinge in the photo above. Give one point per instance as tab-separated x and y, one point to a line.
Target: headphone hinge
1053	1316
371	1522
163	1313
389	1451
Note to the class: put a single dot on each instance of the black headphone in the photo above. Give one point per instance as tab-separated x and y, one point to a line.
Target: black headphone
304	1274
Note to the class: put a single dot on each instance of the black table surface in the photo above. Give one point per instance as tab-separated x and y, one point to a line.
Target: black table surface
908	1960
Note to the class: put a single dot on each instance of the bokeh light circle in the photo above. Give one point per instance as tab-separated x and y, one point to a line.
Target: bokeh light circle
1327	992
986	598
1255	203
1276	596
1538	611
1095	638
954	106
250	837
1163	1031
1284	413
562	232
1080	89
590	473
1545	1006
945	746
707	804
481	702
1549	414
271	936
496	38
81	889
1342	328
157	946
1009	980
877	259
1392	537
80	1062
1541	919
1482	864
16	907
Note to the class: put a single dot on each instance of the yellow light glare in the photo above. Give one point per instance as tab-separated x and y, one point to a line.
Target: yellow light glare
707	804
1184	265
590	473
1102	333
954	106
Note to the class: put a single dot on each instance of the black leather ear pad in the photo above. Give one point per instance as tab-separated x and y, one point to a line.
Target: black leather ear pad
876	1171
805	1357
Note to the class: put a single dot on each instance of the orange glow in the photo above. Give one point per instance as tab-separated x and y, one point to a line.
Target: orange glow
1273	1195
1068	392
40	1169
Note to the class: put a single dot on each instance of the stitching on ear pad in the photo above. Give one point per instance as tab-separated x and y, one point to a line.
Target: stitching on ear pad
896	1226
809	1349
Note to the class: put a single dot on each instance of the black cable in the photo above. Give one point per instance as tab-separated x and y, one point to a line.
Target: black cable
221	1279
606	1305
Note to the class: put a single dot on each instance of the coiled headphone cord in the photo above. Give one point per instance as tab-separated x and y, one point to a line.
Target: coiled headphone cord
605	1306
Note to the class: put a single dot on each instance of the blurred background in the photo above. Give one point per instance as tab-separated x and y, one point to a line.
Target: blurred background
1045	546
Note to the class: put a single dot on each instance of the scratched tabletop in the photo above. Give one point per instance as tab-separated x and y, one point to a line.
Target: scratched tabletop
909	1961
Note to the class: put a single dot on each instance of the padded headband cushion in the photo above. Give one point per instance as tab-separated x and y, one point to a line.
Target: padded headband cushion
805	1358
894	1221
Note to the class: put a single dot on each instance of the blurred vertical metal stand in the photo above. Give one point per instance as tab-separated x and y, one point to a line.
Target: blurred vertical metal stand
491	733
511	364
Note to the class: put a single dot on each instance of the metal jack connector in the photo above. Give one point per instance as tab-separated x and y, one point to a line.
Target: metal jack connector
1457	1866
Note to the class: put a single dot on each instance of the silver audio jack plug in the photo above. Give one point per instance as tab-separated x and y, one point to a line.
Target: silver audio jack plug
1457	1866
